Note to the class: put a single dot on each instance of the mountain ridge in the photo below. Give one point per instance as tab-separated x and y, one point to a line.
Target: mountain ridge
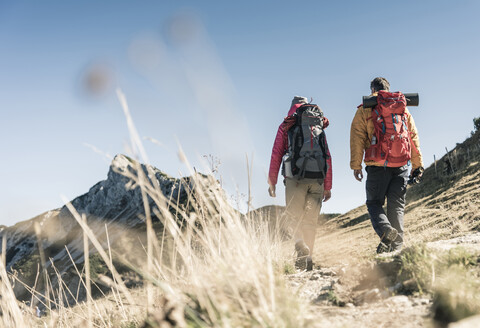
114	211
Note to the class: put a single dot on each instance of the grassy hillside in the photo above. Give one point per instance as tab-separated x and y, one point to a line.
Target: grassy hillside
442	206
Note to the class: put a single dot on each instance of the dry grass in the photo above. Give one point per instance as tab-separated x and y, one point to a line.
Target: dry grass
222	270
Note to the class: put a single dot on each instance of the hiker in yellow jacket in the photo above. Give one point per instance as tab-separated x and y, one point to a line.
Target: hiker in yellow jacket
384	179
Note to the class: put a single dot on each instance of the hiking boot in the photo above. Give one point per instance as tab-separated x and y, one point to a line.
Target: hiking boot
395	247
304	263
383	248
304	260
388	237
309	263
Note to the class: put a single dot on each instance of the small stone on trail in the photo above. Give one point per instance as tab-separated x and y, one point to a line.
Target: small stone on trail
399	300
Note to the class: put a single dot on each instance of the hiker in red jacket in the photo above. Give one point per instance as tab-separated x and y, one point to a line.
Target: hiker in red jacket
305	192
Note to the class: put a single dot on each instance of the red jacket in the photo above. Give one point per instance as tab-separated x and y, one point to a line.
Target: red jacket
280	148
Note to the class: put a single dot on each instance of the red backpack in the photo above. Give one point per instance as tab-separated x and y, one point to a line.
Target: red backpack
391	143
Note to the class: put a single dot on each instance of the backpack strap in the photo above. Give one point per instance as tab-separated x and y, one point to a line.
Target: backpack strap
319	161
323	145
380	118
404	125
304	166
394	119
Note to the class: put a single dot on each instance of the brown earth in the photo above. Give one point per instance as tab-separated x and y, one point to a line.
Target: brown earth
349	287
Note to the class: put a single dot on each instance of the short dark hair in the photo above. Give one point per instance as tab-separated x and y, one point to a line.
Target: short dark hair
380	83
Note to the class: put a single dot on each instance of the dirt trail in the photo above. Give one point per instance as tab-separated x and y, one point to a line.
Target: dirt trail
359	295
356	308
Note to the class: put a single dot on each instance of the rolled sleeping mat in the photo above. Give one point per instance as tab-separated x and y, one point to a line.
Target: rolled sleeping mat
371	101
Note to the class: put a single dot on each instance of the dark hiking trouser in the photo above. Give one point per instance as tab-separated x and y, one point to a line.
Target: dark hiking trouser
390	182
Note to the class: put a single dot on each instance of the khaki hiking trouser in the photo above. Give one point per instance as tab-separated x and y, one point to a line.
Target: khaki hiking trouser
304	202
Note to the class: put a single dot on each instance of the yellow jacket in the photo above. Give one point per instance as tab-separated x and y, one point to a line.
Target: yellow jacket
361	133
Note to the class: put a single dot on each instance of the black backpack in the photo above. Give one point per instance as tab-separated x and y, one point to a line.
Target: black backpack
307	154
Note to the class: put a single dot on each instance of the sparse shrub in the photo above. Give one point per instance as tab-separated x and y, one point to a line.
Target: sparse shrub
476	123
451	276
97	266
333	298
28	267
460	256
422	266
457	289
131	324
456	295
288	268
417	265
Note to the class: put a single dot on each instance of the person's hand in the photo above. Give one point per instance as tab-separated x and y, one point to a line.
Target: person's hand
416	175
271	190
358	174
419	172
327	194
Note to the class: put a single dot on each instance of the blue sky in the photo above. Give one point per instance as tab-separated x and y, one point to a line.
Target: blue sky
217	78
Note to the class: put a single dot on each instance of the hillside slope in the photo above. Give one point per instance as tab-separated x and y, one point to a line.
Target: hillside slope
443	206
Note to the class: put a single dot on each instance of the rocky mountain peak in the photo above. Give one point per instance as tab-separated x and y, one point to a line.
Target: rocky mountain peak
114	206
